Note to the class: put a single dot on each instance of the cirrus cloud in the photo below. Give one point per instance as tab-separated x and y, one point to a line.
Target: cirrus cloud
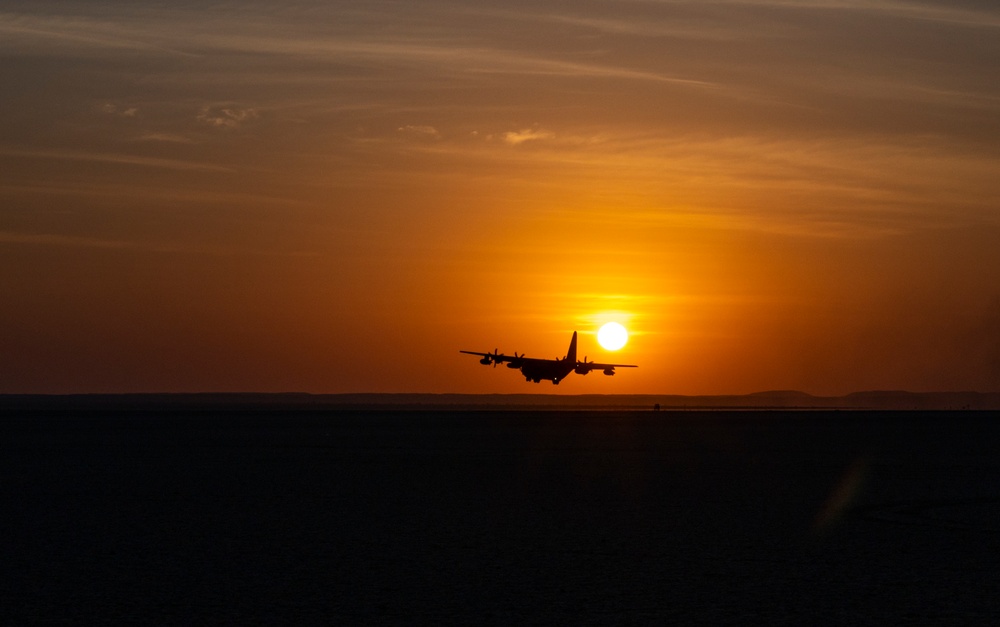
515	138
226	117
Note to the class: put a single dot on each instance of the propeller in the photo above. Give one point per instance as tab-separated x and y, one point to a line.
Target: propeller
497	355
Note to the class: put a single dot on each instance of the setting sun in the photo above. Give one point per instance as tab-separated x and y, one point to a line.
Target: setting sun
612	336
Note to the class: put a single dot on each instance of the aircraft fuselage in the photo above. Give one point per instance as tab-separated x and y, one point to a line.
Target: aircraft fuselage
537	370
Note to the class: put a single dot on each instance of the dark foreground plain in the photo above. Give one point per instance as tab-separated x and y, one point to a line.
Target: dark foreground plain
499	517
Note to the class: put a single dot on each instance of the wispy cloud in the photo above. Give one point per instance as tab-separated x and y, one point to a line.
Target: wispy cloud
928	11
831	187
113	109
170	138
526	135
226	117
420	130
184	33
147	162
48	32
47	239
80	241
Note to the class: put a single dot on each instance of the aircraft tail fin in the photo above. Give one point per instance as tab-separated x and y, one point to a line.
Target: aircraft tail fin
571	353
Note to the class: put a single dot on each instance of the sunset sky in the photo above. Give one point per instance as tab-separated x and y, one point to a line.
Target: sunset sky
339	196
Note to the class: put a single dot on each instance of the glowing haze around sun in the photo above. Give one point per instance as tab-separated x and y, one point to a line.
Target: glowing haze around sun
612	336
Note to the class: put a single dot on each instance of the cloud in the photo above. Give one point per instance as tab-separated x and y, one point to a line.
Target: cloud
164	137
33	33
515	138
419	130
48	239
150	162
113	109
82	241
226	117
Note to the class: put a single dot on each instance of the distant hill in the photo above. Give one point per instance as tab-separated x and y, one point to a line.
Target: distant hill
778	399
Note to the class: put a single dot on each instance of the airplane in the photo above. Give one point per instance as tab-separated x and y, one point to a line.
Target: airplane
554	370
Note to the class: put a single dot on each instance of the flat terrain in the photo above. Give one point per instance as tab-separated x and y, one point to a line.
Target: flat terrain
499	517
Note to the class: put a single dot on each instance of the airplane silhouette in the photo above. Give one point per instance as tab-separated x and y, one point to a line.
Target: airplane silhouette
554	370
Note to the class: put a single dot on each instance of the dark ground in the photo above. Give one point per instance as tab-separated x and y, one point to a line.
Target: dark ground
499	517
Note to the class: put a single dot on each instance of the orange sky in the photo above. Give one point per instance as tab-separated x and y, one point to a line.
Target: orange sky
338	196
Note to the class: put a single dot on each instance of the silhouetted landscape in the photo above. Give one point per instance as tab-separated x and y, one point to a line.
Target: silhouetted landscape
234	508
873	400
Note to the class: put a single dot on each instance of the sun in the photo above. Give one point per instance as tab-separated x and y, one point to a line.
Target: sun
612	336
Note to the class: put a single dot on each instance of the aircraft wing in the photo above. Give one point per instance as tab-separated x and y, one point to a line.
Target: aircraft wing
583	367
495	357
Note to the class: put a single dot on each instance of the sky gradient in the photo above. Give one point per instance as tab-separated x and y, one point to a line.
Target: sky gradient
338	196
